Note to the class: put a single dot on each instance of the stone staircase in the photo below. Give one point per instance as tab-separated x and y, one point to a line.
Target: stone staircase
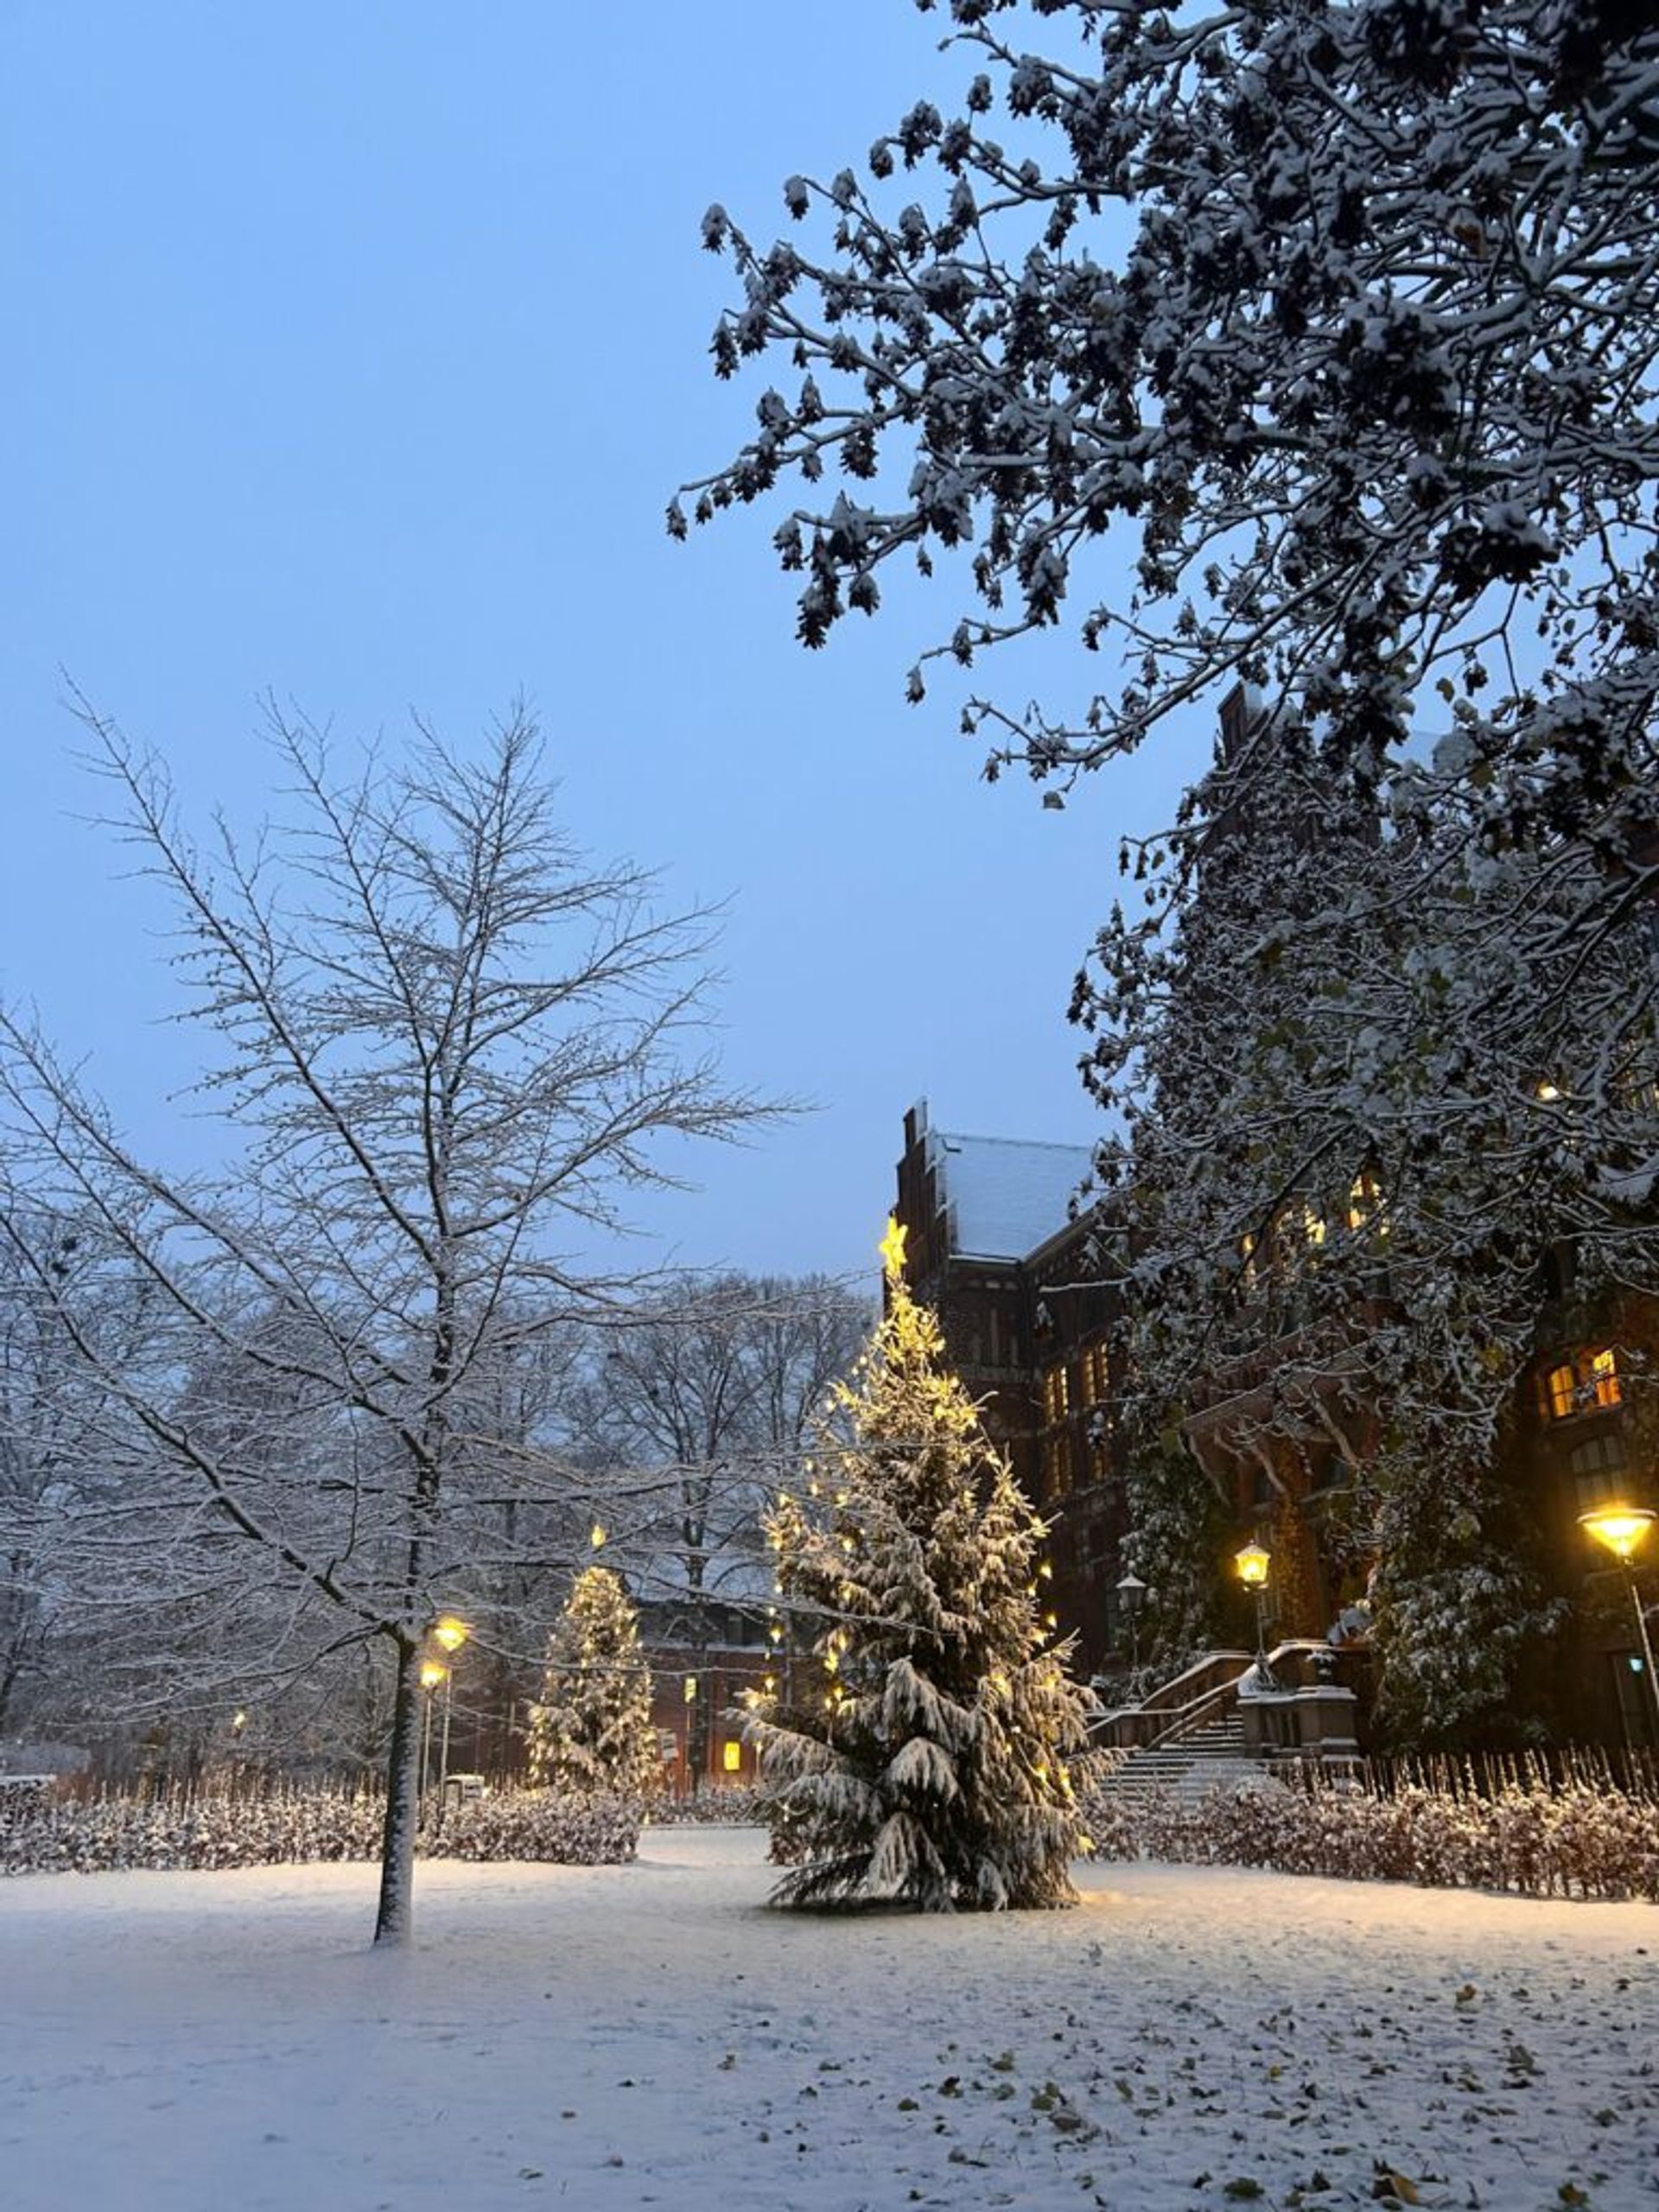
1221	1724
1209	1756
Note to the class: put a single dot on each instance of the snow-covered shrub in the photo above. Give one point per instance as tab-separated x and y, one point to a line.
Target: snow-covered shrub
733	1805
1571	1835
586	1828
176	1831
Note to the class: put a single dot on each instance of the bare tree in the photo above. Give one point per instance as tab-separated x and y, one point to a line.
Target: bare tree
704	1394
449	1047
705	1397
51	1468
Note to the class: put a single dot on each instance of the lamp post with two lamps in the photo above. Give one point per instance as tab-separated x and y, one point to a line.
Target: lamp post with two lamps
1623	1530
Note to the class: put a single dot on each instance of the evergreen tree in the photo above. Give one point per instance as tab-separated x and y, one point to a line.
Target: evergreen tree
933	1774
592	1730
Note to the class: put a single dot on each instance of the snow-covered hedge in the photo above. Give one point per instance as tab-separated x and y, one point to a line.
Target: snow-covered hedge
1543	1838
179	1830
733	1805
596	1830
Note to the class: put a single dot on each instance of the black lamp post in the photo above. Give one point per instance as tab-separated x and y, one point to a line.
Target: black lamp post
1623	1530
1131	1597
1253	1562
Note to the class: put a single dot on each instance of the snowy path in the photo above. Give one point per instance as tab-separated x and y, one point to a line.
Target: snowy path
623	2037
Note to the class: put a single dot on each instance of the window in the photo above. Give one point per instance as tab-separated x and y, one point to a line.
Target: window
1326	1470
1586	1384
731	1756
1096	1378
1604	1377
1313	1228
1057	1397
1598	1468
1057	1464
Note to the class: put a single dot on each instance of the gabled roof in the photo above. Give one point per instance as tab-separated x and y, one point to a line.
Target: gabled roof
1004	1197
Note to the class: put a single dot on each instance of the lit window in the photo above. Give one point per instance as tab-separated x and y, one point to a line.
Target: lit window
1247	1252
1604	1377
1312	1227
1057	1465
1057	1396
1585	1385
731	1757
1096	1376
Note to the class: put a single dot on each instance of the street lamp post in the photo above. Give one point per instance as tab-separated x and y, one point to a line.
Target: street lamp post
1253	1562
432	1673
1131	1597
1623	1530
448	1633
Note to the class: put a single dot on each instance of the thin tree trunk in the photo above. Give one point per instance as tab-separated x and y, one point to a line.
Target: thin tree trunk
395	1920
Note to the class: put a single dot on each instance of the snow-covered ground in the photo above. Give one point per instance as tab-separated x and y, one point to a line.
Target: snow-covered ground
621	2037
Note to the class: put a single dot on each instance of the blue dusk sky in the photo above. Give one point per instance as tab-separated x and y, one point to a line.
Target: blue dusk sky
356	350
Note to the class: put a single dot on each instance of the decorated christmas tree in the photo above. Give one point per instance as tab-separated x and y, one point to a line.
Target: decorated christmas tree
592	1729
930	1770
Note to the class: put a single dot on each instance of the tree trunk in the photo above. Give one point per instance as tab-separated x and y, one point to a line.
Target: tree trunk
395	1921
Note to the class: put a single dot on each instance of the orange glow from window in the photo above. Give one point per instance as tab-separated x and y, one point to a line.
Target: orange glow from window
1604	1377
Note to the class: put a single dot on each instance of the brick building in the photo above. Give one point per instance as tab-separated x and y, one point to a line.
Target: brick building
1022	1275
703	1658
1026	1302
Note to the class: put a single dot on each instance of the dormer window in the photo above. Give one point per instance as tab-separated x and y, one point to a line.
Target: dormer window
1586	1384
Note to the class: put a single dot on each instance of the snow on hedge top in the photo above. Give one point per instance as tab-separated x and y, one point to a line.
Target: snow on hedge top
1004	1197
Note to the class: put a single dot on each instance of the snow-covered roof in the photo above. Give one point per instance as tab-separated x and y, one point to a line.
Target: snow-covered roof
1005	1197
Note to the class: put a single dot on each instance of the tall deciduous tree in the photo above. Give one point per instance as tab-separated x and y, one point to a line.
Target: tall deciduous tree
1308	345
1360	374
448	1046
934	1774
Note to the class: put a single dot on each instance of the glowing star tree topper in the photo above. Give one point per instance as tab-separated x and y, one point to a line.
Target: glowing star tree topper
892	1248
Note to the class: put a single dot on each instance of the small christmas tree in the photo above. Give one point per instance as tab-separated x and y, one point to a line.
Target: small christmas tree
933	1774
592	1730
